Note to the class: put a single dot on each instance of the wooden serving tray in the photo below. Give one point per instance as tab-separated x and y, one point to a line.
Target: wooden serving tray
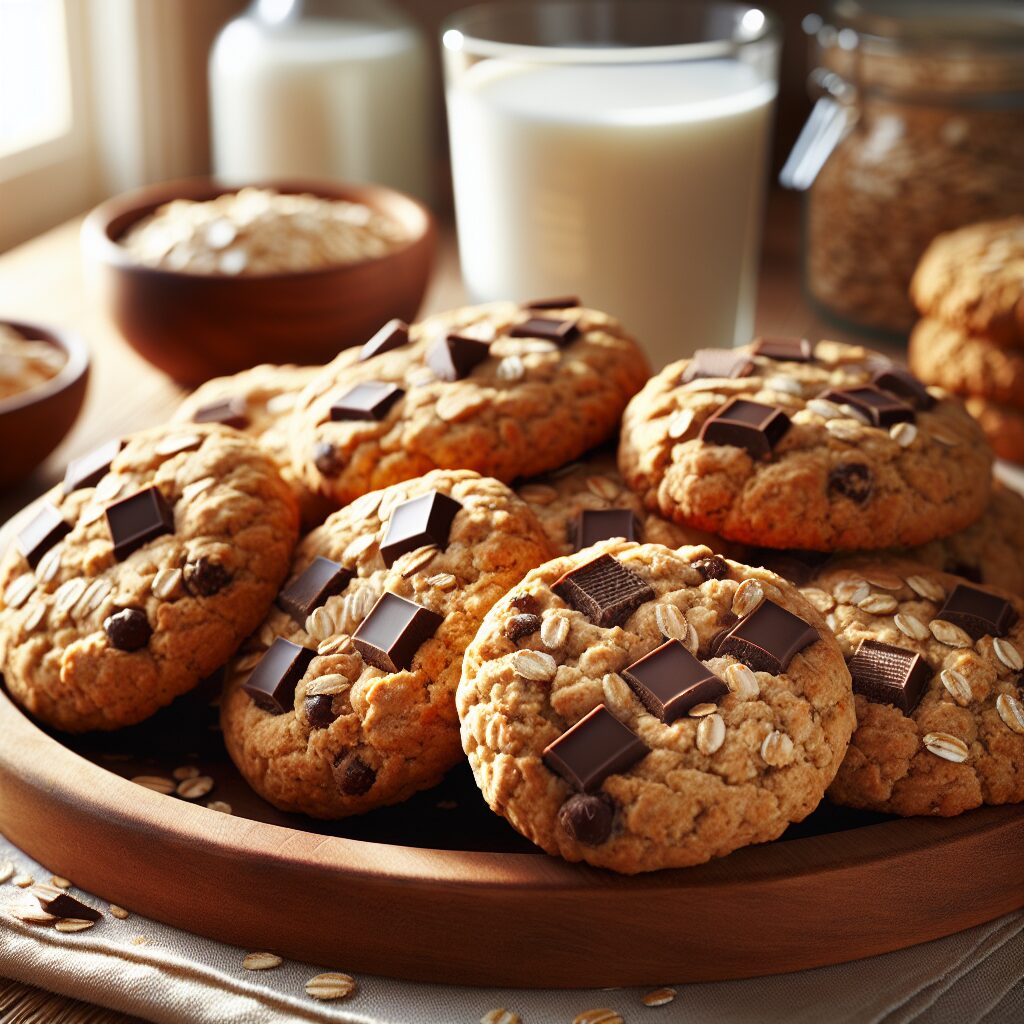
440	889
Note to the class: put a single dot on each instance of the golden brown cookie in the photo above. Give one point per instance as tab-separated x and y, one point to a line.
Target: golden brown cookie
319	722
936	664
1003	426
655	709
500	389
973	280
786	445
965	364
144	577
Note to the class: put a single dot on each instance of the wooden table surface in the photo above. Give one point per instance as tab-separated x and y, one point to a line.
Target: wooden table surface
43	280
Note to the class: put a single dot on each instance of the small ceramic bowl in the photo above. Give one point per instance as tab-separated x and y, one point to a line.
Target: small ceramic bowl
34	422
197	326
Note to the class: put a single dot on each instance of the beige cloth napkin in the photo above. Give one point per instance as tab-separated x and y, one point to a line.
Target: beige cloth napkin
174	977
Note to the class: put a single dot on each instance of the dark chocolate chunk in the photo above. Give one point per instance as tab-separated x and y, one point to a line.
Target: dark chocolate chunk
786	350
394	334
714	567
749	425
561	332
881	408
597	524
793	564
62	904
903	384
424	520
768	638
204	576
370	400
454	356
558	302
587	817
852	480
353	775
597	746
526	603
87	470
522	625
977	612
670	680
41	532
604	590
392	633
326	458
138	519
272	683
231	412
128	629
889	675
311	588
319	710
717	362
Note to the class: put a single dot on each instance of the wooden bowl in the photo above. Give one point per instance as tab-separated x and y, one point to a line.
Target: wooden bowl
197	326
34	422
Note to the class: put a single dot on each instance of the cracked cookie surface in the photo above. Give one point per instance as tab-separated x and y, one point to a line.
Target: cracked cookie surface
191	595
769	748
962	745
529	405
831	481
370	736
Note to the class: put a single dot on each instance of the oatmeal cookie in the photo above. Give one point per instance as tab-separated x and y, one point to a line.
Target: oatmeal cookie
499	389
659	707
141	574
788	445
973	280
965	364
936	664
344	699
1003	426
258	402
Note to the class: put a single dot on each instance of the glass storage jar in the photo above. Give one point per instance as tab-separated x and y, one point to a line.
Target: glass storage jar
931	106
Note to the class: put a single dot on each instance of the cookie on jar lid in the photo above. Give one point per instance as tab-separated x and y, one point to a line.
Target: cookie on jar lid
936	663
141	574
649	687
344	699
504	389
824	447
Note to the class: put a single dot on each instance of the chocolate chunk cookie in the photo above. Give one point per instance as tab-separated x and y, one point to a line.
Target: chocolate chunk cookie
259	402
344	699
973	280
936	664
142	574
500	389
666	706
826	448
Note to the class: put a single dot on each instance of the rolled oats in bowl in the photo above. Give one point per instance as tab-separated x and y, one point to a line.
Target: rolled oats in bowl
261	231
25	363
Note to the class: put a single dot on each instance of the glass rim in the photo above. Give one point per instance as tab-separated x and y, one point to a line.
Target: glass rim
457	35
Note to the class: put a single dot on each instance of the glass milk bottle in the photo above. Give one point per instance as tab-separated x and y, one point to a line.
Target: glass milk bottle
322	89
618	152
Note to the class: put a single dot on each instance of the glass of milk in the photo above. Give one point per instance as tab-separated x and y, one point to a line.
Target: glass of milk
616	150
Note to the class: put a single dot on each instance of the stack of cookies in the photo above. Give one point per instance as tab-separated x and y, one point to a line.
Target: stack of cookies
969	290
660	618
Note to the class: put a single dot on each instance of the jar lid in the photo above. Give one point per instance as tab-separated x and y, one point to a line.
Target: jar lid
933	22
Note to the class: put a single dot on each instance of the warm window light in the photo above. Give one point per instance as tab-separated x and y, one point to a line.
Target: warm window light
452	39
753	20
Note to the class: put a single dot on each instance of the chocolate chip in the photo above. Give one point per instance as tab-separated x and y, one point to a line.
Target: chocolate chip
597	746
62	904
978	612
903	384
604	590
561	332
768	639
594	525
717	362
41	533
714	567
670	680
87	470
205	577
319	711
393	631
138	519
394	334
353	775
752	426
885	674
521	625
326	458
128	629
231	412
367	401
272	683
419	521
556	302
788	350
454	356
878	407
851	480
587	817
526	603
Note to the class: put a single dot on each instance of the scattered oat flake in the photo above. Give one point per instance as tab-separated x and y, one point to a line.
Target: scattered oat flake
157	783
659	997
220	805
60	882
30	914
119	912
598	1017
331	986
261	961
6	871
73	924
195	789
139	940
500	1016
186	771
22	881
